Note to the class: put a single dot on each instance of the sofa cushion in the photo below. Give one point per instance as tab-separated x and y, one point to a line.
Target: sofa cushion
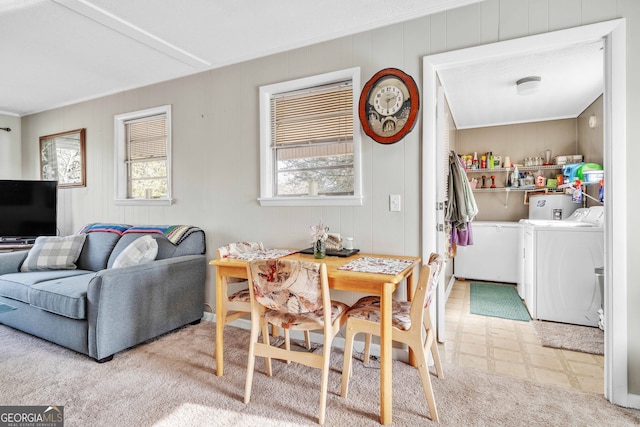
96	250
54	253
140	251
194	244
17	285
67	296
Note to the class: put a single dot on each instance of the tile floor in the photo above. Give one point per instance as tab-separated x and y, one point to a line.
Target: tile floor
512	348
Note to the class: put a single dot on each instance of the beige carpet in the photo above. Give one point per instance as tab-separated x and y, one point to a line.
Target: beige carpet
570	337
171	382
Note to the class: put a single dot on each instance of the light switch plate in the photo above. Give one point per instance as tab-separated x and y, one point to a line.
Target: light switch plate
394	203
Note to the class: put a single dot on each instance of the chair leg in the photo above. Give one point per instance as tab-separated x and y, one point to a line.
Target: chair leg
265	339
425	377
367	348
251	362
346	365
431	343
326	357
436	359
307	339
287	342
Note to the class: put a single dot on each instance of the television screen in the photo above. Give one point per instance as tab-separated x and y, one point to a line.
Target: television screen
28	209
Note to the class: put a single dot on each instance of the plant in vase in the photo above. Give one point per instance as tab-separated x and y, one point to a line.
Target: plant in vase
319	235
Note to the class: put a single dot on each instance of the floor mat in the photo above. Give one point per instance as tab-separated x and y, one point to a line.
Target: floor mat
584	339
497	301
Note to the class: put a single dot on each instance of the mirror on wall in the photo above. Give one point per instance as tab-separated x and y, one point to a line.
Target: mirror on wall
62	158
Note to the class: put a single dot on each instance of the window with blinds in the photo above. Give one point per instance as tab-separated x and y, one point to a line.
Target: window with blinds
143	156
309	147
312	139
146	141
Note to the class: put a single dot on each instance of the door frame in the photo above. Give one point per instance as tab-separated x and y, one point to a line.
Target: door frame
613	33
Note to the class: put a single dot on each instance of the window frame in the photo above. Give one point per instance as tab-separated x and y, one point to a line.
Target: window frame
267	169
121	179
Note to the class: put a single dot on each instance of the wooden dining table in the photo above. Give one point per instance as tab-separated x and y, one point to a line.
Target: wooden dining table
353	281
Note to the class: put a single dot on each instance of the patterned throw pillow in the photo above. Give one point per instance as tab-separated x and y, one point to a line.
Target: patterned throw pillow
141	250
54	253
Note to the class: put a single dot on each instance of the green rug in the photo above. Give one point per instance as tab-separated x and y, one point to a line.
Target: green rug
498	301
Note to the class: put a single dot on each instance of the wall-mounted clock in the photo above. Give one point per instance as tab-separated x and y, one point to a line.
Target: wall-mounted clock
389	105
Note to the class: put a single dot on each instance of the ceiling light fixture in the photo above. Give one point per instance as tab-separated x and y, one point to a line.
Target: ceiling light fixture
528	85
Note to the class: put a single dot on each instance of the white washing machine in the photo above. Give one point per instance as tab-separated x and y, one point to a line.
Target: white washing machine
558	265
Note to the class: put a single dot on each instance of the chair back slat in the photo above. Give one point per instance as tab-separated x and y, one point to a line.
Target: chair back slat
286	286
426	288
435	267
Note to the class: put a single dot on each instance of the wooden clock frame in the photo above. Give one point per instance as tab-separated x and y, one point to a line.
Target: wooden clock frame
414	97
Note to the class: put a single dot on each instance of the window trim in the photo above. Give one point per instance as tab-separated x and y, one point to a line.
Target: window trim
120	178
266	157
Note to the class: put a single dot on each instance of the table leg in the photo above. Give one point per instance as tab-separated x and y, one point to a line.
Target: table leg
219	351
386	345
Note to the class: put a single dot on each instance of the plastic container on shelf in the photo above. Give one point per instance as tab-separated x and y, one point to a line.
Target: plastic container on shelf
590	173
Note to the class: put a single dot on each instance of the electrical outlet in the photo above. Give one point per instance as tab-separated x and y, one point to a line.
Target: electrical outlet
394	203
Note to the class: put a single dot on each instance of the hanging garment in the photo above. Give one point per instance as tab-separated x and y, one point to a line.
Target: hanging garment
461	206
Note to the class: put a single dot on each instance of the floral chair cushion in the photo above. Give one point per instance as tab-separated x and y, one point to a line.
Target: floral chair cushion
287	286
241	296
292	293
239	248
368	308
435	262
305	321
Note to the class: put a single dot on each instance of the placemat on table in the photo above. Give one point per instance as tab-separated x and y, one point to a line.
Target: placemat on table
377	265
262	254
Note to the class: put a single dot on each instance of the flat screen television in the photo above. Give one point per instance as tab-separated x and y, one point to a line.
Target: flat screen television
28	209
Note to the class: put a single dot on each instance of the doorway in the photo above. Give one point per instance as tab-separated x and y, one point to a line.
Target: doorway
613	35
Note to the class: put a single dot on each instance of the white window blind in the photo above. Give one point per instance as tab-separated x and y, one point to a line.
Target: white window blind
313	116
147	138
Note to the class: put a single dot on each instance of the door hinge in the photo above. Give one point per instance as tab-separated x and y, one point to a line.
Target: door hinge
440	227
440	206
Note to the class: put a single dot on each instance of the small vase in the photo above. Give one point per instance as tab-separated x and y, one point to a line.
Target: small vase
319	249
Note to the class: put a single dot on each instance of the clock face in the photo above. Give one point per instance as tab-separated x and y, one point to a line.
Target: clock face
389	106
387	97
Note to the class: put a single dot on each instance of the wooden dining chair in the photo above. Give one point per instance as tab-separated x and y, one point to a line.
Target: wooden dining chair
238	303
409	319
293	295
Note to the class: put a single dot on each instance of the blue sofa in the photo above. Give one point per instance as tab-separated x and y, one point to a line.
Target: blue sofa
98	310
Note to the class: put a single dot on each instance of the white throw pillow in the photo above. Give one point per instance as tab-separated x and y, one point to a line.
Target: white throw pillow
54	253
143	249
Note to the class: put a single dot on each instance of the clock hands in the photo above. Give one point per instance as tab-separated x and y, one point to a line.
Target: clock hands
390	97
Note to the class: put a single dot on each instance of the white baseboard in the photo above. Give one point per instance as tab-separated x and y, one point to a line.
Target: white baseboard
317	338
634	401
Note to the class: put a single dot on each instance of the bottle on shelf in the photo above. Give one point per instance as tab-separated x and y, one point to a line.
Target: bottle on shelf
541	181
515	177
491	164
474	162
483	162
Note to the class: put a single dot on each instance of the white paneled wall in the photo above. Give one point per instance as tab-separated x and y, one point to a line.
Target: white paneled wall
10	153
215	135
